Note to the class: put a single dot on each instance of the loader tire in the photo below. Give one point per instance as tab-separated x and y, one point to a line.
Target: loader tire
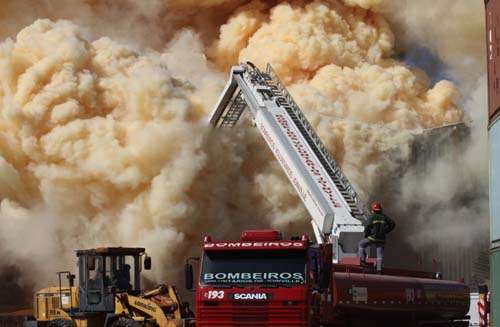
60	323
125	322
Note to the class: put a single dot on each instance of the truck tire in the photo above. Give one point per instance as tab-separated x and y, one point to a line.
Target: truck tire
60	323
125	322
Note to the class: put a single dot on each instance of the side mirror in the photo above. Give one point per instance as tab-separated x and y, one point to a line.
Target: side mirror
71	280
324	279
147	263
91	262
188	276
316	270
326	266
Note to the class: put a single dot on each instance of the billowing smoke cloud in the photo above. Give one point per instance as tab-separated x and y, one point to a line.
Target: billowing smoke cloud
300	39
337	62
453	30
448	198
102	145
103	136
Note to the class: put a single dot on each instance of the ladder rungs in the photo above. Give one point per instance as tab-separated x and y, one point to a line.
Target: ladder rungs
314	141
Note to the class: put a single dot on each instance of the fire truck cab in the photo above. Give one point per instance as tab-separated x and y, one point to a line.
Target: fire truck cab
260	278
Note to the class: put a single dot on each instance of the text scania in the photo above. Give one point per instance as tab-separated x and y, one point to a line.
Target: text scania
256	277
250	296
307	159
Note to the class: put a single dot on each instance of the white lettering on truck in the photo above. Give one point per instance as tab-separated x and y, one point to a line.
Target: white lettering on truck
250	296
254	244
284	276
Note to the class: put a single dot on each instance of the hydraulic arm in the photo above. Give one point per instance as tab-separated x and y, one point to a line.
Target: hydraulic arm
330	199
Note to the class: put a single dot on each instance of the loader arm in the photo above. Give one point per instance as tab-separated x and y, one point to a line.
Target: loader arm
160	305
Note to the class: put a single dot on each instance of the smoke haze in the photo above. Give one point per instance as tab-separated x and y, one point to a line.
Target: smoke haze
104	137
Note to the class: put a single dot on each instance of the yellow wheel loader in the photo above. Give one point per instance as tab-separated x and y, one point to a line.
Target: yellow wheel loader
109	294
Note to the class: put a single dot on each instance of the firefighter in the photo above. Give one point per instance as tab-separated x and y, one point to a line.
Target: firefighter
376	229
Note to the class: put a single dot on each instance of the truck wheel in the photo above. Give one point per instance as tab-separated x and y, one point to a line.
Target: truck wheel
125	322
60	323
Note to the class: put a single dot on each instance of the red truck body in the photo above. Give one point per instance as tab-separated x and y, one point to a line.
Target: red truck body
262	280
14	318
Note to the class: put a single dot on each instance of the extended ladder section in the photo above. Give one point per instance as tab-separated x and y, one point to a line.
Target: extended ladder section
332	202
324	156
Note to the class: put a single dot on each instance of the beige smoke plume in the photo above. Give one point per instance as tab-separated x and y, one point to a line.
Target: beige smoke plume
454	30
369	4
300	39
106	142
337	60
450	196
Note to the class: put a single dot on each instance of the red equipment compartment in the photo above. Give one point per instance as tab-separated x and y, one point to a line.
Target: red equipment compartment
379	296
261	235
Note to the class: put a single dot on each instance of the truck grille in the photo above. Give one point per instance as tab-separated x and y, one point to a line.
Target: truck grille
251	314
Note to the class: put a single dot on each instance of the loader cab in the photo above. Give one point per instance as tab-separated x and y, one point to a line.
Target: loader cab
104	272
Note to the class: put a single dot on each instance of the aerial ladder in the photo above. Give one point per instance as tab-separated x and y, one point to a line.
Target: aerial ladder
337	214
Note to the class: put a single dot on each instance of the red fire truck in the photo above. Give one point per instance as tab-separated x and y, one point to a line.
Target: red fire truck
263	280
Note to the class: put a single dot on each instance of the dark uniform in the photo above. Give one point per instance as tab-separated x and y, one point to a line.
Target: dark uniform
376	229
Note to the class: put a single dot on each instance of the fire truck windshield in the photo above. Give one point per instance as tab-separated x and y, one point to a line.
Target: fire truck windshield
253	267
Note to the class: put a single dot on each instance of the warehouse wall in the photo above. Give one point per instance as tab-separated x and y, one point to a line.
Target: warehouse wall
493	41
495	218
